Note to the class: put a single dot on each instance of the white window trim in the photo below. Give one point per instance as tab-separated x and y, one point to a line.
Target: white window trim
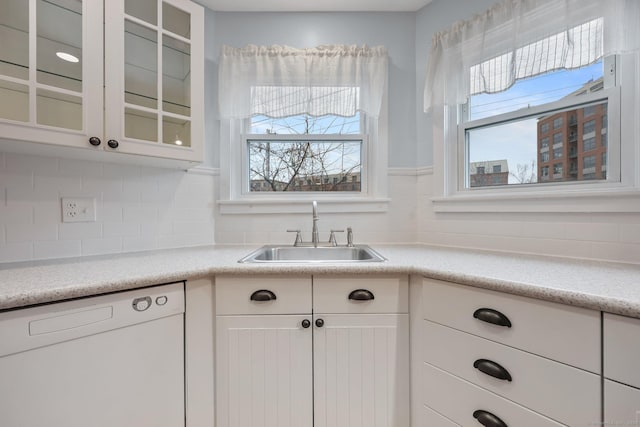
233	200
602	196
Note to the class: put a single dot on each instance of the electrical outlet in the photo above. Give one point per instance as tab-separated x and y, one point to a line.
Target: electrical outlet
78	209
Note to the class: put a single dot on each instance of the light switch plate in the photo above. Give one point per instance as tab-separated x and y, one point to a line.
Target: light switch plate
78	209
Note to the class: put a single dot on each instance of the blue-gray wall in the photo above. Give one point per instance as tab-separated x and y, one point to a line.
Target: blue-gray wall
396	31
407	36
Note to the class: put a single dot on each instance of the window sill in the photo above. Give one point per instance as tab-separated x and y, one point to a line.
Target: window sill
601	201
288	206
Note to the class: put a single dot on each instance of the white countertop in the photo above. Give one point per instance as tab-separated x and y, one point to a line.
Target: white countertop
603	286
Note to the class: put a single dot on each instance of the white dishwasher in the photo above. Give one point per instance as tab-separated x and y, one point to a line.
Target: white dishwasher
115	360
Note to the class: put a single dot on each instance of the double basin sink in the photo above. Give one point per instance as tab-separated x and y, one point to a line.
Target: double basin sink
282	254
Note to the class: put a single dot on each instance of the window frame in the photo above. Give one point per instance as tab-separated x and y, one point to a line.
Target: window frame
618	193
232	199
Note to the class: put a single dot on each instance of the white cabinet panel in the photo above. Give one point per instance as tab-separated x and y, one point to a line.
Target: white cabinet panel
539	327
458	400
264	371
559	391
361	370
621	349
621	405
389	294
433	419
233	295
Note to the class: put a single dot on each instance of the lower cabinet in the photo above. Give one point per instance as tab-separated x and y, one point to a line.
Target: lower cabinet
501	360
621	354
283	361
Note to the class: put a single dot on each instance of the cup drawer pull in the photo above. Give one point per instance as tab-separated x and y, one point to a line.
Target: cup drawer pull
492	316
361	295
492	369
263	295
487	419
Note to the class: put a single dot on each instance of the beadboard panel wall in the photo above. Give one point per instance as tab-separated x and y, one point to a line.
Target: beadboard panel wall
137	208
397	225
598	236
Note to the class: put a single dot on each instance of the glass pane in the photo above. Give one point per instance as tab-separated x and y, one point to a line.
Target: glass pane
176	76
140	125
15	101
538	90
146	10
14	38
141	65
59	110
531	151
304	165
59	47
175	20
176	131
306	125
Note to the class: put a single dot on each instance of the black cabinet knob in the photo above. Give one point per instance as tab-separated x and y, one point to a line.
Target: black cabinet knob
492	316
263	295
487	419
95	141
112	143
319	323
492	369
306	323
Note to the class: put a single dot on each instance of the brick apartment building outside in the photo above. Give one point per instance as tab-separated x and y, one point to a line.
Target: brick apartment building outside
572	145
488	173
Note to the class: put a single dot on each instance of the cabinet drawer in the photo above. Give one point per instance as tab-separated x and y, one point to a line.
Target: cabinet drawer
432	418
561	392
621	349
458	400
621	404
347	295
539	327
234	295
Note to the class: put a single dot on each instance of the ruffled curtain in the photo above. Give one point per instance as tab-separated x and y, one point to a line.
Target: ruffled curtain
516	39
280	81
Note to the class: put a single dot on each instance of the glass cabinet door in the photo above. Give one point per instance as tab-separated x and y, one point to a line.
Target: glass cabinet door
154	84
44	70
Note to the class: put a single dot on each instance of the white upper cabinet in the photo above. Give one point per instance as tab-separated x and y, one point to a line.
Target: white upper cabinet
125	76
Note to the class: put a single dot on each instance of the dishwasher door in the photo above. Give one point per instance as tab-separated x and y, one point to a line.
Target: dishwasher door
115	360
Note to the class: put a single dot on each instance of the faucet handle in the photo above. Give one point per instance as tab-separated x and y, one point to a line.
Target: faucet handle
349	237
332	237
298	240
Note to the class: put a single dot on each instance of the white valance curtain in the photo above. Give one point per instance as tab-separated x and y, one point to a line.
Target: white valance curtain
516	39
280	81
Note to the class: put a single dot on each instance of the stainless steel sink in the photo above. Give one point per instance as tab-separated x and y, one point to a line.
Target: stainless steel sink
282	254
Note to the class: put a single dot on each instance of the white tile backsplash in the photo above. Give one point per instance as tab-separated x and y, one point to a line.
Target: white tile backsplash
138	208
142	208
610	237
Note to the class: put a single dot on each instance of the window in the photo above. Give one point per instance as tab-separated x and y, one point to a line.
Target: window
557	139
506	75
497	168
544	142
304	153
589	162
557	170
544	128
589	127
589	111
557	123
544	157
303	124
557	153
589	144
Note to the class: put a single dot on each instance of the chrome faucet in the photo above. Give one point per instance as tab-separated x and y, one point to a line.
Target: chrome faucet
314	230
